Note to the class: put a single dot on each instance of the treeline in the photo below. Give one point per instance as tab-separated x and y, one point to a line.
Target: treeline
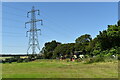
107	43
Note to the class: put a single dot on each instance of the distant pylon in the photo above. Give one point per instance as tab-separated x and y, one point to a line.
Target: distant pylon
33	36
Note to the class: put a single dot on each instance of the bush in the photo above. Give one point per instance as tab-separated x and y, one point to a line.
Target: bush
16	57
32	56
104	52
3	61
88	61
99	59
78	60
13	59
27	60
96	52
95	59
19	60
118	57
9	60
87	56
39	57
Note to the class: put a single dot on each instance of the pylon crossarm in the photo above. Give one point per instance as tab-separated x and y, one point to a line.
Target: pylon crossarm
27	23
38	20
27	33
38	11
39	30
33	11
28	14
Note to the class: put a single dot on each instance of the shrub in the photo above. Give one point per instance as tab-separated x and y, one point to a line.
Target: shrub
95	59
13	59
7	60
78	60
38	57
86	56
27	60
3	61
111	52
118	57
88	61
99	59
16	57
10	61
104	52
96	52
31	56
19	60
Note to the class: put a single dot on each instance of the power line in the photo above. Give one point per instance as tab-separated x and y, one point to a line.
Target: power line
53	30
8	26
12	20
49	16
13	14
58	25
19	9
52	21
12	46
11	33
10	36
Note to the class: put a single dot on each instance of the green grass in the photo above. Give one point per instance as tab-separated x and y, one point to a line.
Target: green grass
60	69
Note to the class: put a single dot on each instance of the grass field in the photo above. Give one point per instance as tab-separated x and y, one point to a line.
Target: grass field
60	69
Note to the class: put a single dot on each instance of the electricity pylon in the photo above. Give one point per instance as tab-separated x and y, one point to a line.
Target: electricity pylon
33	36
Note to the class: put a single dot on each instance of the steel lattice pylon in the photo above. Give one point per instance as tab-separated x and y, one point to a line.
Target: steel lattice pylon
33	36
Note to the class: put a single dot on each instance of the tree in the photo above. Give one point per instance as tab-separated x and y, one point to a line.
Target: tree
118	23
109	38
64	49
48	49
84	39
83	43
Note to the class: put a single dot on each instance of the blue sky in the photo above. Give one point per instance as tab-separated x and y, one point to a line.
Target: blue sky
63	22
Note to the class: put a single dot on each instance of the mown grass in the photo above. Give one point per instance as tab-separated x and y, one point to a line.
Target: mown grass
60	69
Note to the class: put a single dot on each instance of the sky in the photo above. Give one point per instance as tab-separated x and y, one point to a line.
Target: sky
62	21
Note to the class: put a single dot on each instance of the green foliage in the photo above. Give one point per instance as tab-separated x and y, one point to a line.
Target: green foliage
118	23
118	57
64	49
107	43
9	60
96	52
26	60
79	47
20	60
48	49
95	59
112	51
39	57
99	59
50	46
84	39
109	38
16	57
32	56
